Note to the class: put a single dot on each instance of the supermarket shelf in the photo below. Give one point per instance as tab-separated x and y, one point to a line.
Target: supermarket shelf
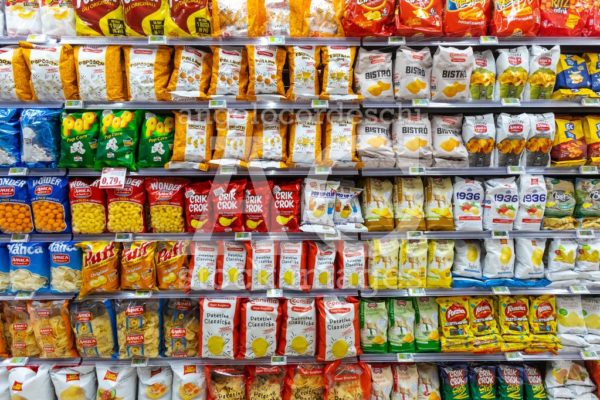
165	361
470	171
450	357
269	172
481	106
21	172
206	237
544	234
36	296
205	105
472	292
31	104
479	42
218	294
36	237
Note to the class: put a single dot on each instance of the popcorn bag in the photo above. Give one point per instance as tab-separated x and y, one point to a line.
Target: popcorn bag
148	71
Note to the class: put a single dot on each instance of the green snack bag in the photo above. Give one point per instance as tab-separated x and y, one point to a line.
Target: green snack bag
427	334
118	138
373	326
482	382
401	331
78	139
156	140
455	382
588	202
483	76
534	384
510	382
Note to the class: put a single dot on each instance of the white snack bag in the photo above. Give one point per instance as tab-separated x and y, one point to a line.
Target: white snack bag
298	334
569	315
5	388
530	258
591	312
542	72
374	145
479	136
429	382
512	70
303	64
382	381
58	18
412	73
468	204
483	77
561	255
500	205
339	336
318	201
323	274
263	265
258	328
154	383
451	74
116	382
339	140
448	148
46	82
204	265
186	79
189	382
540	139
411	138
351	261
467	259
292	257
22	17
347	214
305	139
74	382
532	202
219	320
373	75
499	258
406	381
512	131
588	256
27	384
234	266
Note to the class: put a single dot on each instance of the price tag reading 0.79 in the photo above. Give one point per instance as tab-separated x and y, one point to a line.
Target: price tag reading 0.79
113	178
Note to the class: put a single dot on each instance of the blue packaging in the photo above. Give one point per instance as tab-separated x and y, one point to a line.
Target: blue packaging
29	267
10	153
14	206
50	189
99	339
4	268
40	137
572	73
65	267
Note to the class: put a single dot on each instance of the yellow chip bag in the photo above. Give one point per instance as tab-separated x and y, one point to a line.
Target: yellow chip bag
412	268
305	139
340	141
137	328
148	72
408	204
482	316
542	315
452	345
99	18
237	18
99	269
14	75
93	328
265	65
172	264
52	328
487	344
318	18
454	317
191	74
513	312
591	130
180	328
569	148
440	258
438	204
100	73
279	18
378	208
383	263
19	330
192	141
229	72
338	73
138	271
234	137
269	143
145	18
303	63
188	18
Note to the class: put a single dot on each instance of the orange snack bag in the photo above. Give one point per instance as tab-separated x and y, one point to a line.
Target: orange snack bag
265	65
191	73
237	18
52	328
344	381
188	18
229	73
305	382
515	18
138	271
99	269
466	18
234	137
369	18
172	265
318	18
413	19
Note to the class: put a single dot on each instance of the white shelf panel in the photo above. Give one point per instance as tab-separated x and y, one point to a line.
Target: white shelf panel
516	41
549	234
469	292
210	41
218	294
34	172
269	172
469	171
451	357
205	105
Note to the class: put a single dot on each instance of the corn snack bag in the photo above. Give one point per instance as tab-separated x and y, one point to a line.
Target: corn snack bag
79	139
189	381
411	140
591	130
191	74
156	140
427	337
138	328
234	137
153	382
373	143
317	18
412	266
482	316
373	326
479	136
466	19
448	147
188	18
343	380
192	141
382	380
40	137
138	270
92	322
303	64
529	262
510	381
260	269
219	320
229	72
500	204
19	330
117	142
203	266
542	315
172	265
16	76
567	20
521	18
412	73
376	19
88	210
237	19
467	259
338	75
148	72
513	314
483	77
99	272
569	147
10	156
340	141
269	142
593	67
165	200
73	381
298	328
226	383
338	328
532	202
383	263
408	204
401	328
305	139
378	208
52	71
320	266
451	74
265	382
22	18
16	200
438	204
259	324
99	18
499	259
100	73
539	142
468	197
533	382
587	209
52	328
373	75
126	207
285	211
145	19
416	19
440	258
292	265
512	66
265	65
542	73
588	258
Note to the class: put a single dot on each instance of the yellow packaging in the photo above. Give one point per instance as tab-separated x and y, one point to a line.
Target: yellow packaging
265	65
454	317
191	73
318	18
99	18
450	345
305	139
340	141
49	83
279	18
378	209
180	328
192	141
145	18
507	347
237	18
15	75
338	75
408	204
591	131
99	269
138	330
569	147
172	265
234	137
229	72
513	313
52	328
412	268
438	204
148	72
269	143
100	73
138	271
440	259
383	263
482	316
19	330
542	315
188	18
303	63
487	344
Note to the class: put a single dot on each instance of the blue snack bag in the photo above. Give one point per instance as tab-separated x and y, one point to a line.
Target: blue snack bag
29	267
572	73
49	198
10	154
40	137
4	269
15	211
93	322
65	267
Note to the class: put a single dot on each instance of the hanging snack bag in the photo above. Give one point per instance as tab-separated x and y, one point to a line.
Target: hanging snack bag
373	75
234	137
97	18
412	73
482	316
347	213
226	382
265	66
411	140
318	18
340	141
22	18
229	72
52	328
138	328
298	328
451	74
520	18
448	148
305	381
338	328
88	212
591	129
15	76
191	74
412	266
529	258
440	258
79	139
321	266
532	202
542	315
378	208
233	258
100	73
416	19
197	207
512	71
165	198
237	19
408	202
219	322
405	380
48	197
542	72
260	270
204	265
427	337
154	382
292	265
192	143
99	272
92	324
29	383
382	381
40	137
401	328
539	142
479	136
513	314
318	202
564	20
384	263
189	381
373	326
117	142
148	72
337	73
587	210
305	139
455	381
362	19
65	267
180	328
467	259
10	156
77	381
226	200
126	207
187	18
569	147
256	206
466	19
138	271
285	213
145	19
500	205
483	77
172	265
19	330
303	64
118	381
259	324
351	264
438	204
52	70
156	140
499	259
29	266
269	142
468	204
572	73
373	143
14	206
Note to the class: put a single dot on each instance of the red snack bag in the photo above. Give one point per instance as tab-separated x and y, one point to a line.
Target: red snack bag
297	378
564	19
321	266
516	18
88	206
298	333
204	265
259	324
165	198
265	382
338	331
369	18
225	382
351	265
466	18
197	210
592	27
256	206
285	214
593	368
126	207
261	266
226	201
233	260
419	17
347	378
292	265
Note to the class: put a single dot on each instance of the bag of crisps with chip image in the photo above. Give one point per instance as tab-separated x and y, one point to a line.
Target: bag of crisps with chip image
529	263
345	380
382	380
145	18
279	18
191	74
93	325
262	261
438	204
172	265
448	148
373	325
188	18
180	327
74	382
479	135
591	130
414	18
189	381
192	141
451	74
317	18
412	265
372	18
542	73
233	260
411	139
512	131
515	18
204	265
298	328
256	206
99	18
292	265
52	328
466	18
265	382
374	144
154	382
229	73
303	64
412	73
259	325
373	75
483	77
100	73
440	258
285	210
23	18
377	203
587	210
138	328
563	20
99	271
138	270
338	328
383	263
219	321
540	139
569	147
265	69
513	71
235	18
351	265
338	62
401	329
320	271
305	382
226	382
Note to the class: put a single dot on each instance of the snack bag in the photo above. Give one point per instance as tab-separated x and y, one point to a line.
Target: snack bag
148	72
99	272
79	139
269	142
373	75
438	204
383	263
232	258
285	212
416	19
265	381
117	142
318	18
591	309
52	70
265	65
482	382
188	18
542	315
411	140
189	381
29	383
588	257
321	266
226	382
343	380
234	137
466	19
191	74
52	328
298	335
512	70
513	314
292	265
40	137
98	18
48	197
405	380
521	18
378	208
483	77
534	383
429	382
408	204
587	210
65	266
340	141
361	19
29	266
479	136
118	381
165	199
10	155
219	320
591	128
532	202
500	204
192	143
542	72
154	382
448	147
482	316
15	76
338	328
226	201
593	67
22	18
560	204
260	270
561	255
564	20
156	140
303	64
373	144
279	17
382	381
569	147
74	381
572	73
318	202
440	258
138	270
427	337
510	382
126	207
539	142
259	324
15	200
451	74
19	330
412	73
412	266
337	64
499	259
138	328
401	328
197	207
529	262
467	259
454	317
88	212
100	73
305	381
172	265
145	19
455	382
373	326
468	204
229	72
92	324
305	139
347	215
204	265
256	206
237	19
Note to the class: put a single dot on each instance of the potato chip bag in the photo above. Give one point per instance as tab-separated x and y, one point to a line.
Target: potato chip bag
237	19
587	210
99	271
482	316
569	147
229	77
369	19
265	382
542	72
533	382
317	18
570	316
373	75
305	139
482	381
219	321
99	18
189	381
513	312
408	199
542	314
382	381
180	328
265	65
145	19
588	258
479	136
347	215
153	382
148	72
15	77
318	202
405	381
259	324
74	381
564	19
320	273
483	77
338	75
512	67
591	312
191	74
303	64
417	19
529	262
561	255
499	259
52	328
532	202
373	325
298	328
285	212
378	208
467	259
156	140
100	73
345	380
438	204
340	141
138	271
448	148
412	73
226	383
440	257
466	19
338	329
256	206
401	328
233	258
234	137
451	74
192	142
29	383
172	265
520	18
510	382
468	200
197	207
539	142
411	140
593	67
260	270
412	265
19	330
269	142
305	382
204	265
373	144
455	382
93	326
138	328
500	204
188	18
384	263
292	265
22	18
591	130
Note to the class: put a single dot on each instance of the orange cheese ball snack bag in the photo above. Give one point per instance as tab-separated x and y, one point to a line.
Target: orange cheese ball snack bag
369	18
188	18
338	75
413	19
138	271
269	142
566	19
265	65
237	18
234	137
172	265
285	212
515	18
303	64
145	18
99	18
229	73
165	197
148	72
318	18
226	200
100	73
99	270
466	18
191	73
52	328
338	331
15	75
15	211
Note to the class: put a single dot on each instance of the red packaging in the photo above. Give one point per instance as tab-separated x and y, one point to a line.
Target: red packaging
298	332
261	266
233	260
165	198
85	195
285	214
297	375
197	207
227	202
321	266
292	266
230	377
348	376
351	265
256	206
418	17
593	367
259	324
144	18
592	27
466	18
564	19
369	18
515	18
258	376
129	200
337	328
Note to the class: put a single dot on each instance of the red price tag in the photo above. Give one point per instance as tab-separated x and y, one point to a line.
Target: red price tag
113	178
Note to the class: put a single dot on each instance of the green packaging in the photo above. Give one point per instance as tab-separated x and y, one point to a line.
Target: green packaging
534	384
401	331
156	140
510	382
482	382
455	382
373	326
78	139
427	336
118	139
588	202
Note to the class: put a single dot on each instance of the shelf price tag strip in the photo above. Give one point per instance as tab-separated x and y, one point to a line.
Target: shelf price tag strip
18	171
275	293
417	292
514	356
24	295
319	104
113	178
16	361
589	355
590	102
157	39
139	362
19	237
73	104
397	40
405	357
142	294
243	236
501	290
588	169
488	40
278	360
509	101
123	237
217	104
579	289
585	234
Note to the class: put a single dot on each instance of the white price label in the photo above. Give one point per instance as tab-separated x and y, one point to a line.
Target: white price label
405	357
37	38
589	355
416	170
590	102
123	237
24	295
319	103
420	103
142	294
275	293
243	236
488	40
139	362
417	292
588	170
509	101
69	104
113	178
514	356
500	235
19	237
278	360
227	170
157	39
501	290
217	104
415	235
579	289
397	40
17	171
276	40
322	170
585	234
17	361
332	235
515	170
